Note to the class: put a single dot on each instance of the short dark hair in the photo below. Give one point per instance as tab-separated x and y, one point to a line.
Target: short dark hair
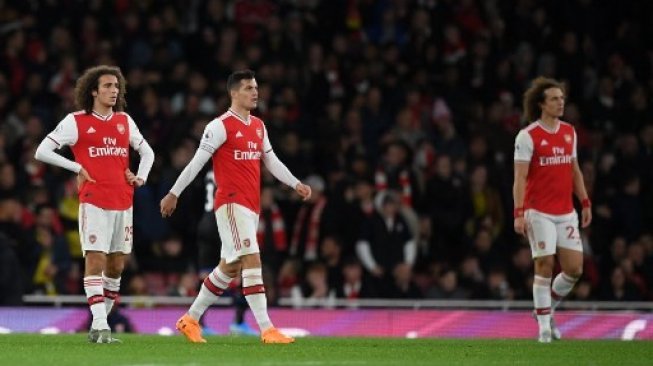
535	95
233	82
89	82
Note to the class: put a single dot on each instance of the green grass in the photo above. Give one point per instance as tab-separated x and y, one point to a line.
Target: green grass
30	349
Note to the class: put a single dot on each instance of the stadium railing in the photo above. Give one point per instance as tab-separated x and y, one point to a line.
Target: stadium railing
152	301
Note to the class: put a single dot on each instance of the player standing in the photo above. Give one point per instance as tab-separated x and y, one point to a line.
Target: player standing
237	142
546	176
100	135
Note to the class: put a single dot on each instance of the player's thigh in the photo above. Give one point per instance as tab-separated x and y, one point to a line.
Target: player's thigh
541	234
237	227
94	228
571	261
122	238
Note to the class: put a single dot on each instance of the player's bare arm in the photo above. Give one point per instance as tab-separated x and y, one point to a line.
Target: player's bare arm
581	193
518	191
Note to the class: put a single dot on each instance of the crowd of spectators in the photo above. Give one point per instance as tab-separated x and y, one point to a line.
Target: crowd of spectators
400	114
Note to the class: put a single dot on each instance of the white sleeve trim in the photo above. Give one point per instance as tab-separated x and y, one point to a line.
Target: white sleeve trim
523	146
45	153
190	171
364	252
278	169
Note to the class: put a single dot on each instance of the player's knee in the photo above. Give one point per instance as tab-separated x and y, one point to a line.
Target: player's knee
230	269
544	266
575	273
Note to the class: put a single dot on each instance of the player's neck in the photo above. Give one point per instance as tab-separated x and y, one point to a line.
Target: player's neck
102	110
243	113
550	122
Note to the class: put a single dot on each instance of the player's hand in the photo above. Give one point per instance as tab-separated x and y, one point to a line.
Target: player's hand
83	177
586	217
132	179
304	191
520	226
378	271
168	205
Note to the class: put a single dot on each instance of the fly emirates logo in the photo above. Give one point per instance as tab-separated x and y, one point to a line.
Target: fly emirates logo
109	149
252	154
558	158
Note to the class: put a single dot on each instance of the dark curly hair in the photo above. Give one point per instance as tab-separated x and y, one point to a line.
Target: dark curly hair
534	96
88	82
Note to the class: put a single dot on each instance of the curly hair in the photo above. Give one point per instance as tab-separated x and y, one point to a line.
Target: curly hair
88	82
534	96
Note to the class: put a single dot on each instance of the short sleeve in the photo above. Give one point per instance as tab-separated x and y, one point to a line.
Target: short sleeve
523	146
214	136
65	133
135	136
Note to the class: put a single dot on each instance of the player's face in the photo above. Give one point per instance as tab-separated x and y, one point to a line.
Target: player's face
554	103
247	95
106	94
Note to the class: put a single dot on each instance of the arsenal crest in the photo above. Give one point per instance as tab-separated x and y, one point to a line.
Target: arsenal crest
259	133
247	243
121	128
568	138
92	238
541	245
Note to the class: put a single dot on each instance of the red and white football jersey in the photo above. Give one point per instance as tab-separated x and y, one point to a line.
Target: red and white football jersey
101	145
237	146
549	185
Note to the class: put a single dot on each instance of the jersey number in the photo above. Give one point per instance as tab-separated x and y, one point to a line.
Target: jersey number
570	232
129	231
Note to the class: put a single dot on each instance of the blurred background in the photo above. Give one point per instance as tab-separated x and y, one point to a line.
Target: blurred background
390	109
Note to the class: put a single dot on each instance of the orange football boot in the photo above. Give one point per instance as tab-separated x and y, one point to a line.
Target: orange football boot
190	328
272	335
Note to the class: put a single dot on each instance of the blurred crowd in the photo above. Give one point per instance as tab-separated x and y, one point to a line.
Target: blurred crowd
400	114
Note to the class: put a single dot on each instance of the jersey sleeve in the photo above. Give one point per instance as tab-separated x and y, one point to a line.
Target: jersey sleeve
135	136
267	146
214	136
523	146
65	133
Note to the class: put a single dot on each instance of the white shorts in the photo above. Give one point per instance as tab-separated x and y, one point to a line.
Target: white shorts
107	231
237	227
548	232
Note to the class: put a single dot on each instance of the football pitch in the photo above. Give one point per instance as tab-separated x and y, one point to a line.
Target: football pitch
142	350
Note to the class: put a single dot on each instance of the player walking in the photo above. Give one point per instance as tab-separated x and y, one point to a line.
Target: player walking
546	176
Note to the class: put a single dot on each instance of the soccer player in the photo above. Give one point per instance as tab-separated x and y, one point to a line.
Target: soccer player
100	135
237	142
546	176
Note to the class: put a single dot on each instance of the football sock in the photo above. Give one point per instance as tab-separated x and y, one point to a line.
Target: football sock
214	285
255	295
94	291
111	291
561	287
542	300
